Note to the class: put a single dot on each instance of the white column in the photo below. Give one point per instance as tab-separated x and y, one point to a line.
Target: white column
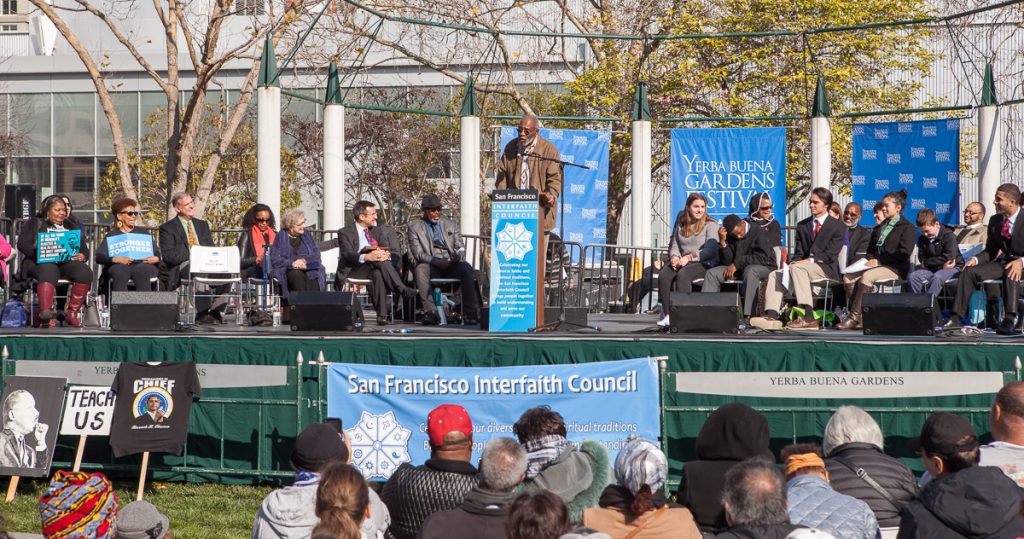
268	148
989	155
469	175
334	167
821	152
640	197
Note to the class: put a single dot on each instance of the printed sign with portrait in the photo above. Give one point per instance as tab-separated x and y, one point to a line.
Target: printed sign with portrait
31	409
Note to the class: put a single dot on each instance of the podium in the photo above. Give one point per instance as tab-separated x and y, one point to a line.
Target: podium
517	261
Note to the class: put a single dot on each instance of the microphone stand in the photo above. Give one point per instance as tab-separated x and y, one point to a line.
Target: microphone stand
557	324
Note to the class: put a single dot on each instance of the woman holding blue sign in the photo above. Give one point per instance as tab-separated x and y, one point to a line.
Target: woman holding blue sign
692	249
128	252
52	249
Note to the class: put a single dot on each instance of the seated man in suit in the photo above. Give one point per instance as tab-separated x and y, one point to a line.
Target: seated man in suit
819	238
973	230
177	237
745	252
436	248
1001	259
364	252
856	237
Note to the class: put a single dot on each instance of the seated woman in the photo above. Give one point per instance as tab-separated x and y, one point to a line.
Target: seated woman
693	248
889	250
122	269
53	218
295	256
258	233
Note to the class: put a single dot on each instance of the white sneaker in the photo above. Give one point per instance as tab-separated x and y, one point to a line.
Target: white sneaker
761	322
664	322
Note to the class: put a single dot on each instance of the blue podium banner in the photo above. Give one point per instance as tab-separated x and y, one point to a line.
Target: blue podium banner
921	157
729	166
585	215
133	246
384	408
58	246
515	231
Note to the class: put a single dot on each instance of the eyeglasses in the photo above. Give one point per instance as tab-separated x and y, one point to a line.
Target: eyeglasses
258	220
432	209
763	208
131	213
526	129
969	212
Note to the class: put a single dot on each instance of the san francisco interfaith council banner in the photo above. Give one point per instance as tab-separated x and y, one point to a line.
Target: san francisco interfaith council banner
384	407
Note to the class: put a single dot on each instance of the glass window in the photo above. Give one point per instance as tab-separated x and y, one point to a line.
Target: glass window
127	107
76	178
8	7
32	170
30	114
73	124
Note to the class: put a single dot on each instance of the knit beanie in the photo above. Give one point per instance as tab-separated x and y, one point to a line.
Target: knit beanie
78	504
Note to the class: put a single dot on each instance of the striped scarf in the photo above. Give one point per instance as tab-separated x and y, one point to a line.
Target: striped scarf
542	451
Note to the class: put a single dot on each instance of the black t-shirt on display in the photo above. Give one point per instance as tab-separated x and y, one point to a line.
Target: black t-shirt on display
153	406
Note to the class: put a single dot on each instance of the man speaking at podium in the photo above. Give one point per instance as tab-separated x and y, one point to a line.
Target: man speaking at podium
530	162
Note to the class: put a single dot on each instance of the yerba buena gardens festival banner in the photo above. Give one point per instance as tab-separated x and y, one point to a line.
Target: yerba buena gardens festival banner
921	157
728	166
384	408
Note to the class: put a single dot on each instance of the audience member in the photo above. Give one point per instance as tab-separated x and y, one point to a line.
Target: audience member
888	258
731	434
1006	421
537	515
52	217
342	502
938	253
761	215
692	249
857	237
635	507
436	249
78	505
141	520
814	504
745	252
819	239
177	237
963	499
258	234
577	476
1001	259
835	211
413	493
754	502
365	252
484	510
857	466
290	512
122	270
973	230
295	257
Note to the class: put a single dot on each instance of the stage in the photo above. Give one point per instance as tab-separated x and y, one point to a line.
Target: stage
256	395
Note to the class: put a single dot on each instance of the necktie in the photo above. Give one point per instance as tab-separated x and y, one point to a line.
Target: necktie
436	232
369	238
524	175
817	228
26	457
191	235
1005	233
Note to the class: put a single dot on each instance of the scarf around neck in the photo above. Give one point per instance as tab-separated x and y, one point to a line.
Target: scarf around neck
540	452
258	244
889	225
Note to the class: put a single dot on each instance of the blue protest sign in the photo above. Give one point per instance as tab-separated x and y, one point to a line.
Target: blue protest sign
385	407
585	191
729	166
57	246
133	246
515	230
922	157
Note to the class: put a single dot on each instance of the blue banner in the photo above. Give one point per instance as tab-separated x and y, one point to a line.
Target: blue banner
921	157
585	190
515	230
384	408
729	166
133	246
58	246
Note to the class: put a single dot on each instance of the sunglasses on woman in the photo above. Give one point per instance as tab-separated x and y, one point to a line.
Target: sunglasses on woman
258	220
131	213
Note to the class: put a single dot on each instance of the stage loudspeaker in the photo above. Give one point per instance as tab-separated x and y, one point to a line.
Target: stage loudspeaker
20	201
143	311
325	311
575	315
705	312
898	314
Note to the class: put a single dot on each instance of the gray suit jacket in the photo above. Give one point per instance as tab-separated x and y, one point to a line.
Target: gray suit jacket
977	235
420	244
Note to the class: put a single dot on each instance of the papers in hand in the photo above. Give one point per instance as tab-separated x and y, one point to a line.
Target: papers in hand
858	266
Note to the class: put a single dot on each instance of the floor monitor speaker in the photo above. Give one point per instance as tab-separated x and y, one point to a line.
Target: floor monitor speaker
898	314
143	311
705	312
325	311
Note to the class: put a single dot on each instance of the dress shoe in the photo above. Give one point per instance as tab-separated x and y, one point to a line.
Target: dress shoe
764	322
382	321
431	318
802	324
408	292
471	320
1005	327
206	317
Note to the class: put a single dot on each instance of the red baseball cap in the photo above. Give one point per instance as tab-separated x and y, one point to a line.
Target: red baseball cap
447	418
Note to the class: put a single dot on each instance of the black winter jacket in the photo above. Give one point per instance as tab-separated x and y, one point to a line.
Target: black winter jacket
891	474
481	515
413	493
978	503
777	531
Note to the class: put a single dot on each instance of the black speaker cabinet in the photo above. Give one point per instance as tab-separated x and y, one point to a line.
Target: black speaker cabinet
19	201
705	312
325	311
898	314
143	311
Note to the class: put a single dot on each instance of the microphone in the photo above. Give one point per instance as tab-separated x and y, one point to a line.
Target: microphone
266	238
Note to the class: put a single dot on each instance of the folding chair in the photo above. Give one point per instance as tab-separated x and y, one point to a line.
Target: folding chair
213	266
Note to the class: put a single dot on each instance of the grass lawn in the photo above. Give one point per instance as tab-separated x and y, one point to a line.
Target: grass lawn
196	510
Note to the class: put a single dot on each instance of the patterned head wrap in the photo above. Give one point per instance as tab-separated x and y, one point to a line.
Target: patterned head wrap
641	462
78	504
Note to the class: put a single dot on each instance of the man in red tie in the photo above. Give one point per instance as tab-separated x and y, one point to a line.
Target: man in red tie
1001	259
364	252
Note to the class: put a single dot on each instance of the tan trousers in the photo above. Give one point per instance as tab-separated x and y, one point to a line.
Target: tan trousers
869	277
800	277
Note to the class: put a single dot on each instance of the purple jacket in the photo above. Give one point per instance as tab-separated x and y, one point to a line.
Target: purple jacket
282	256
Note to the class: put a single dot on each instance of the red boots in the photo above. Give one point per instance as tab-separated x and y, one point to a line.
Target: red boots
75	302
44	294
